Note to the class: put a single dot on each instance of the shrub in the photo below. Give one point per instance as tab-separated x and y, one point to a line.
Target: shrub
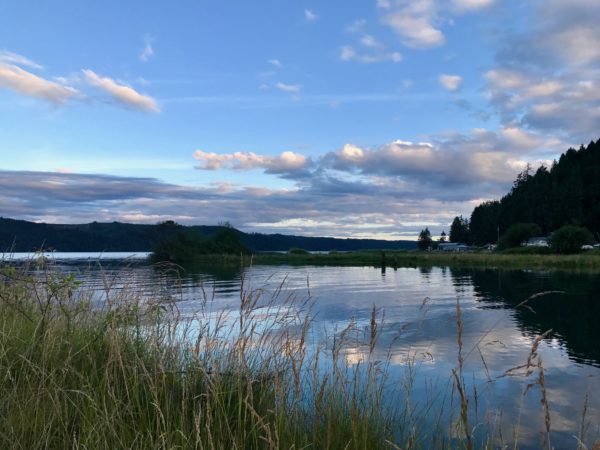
186	246
527	251
517	233
570	238
298	251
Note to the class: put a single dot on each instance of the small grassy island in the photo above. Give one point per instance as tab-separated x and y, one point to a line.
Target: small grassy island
589	261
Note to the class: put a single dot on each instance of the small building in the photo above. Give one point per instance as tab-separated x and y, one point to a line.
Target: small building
539	241
453	247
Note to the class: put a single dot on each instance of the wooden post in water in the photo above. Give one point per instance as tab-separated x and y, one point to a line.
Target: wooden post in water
383	262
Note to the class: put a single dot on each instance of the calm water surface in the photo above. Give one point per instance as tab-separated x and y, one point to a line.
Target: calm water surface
420	329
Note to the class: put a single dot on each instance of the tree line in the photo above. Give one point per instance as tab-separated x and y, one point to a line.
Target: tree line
540	202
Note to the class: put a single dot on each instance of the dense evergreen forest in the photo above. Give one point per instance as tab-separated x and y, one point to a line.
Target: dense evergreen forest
23	236
567	193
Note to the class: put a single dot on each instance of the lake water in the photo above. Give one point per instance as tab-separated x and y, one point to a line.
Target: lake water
420	331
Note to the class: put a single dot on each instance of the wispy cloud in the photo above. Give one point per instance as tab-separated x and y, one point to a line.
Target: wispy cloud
122	94
372	51
450	82
7	57
470	5
349	53
26	83
275	63
148	51
356	26
310	16
291	88
369	41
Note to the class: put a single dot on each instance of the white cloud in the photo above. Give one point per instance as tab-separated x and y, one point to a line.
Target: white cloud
373	52
275	63
310	16
124	95
352	152
419	22
468	5
292	88
415	27
286	162
147	51
479	157
23	82
369	41
348	53
450	82
11	58
356	26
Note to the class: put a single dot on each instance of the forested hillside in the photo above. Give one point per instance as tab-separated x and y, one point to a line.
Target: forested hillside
23	236
568	192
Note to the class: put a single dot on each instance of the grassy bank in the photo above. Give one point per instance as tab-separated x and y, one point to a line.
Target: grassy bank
585	261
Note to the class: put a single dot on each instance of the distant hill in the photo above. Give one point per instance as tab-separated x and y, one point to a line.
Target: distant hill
24	236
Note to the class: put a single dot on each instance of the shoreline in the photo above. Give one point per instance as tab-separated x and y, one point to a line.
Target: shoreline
398	259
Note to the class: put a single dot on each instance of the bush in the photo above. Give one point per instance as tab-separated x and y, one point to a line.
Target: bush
186	246
517	233
298	251
570	238
527	251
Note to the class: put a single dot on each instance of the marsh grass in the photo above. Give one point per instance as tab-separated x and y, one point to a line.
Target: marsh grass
121	367
588	261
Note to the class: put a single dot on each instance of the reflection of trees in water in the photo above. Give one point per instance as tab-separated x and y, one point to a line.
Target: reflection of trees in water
209	278
199	272
425	272
573	316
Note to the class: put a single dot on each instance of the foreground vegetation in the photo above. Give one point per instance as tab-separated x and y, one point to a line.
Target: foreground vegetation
120	368
136	374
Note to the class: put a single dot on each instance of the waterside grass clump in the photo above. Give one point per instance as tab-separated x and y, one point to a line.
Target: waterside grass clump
589	261
511	259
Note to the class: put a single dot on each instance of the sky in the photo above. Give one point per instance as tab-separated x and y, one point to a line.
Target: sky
364	119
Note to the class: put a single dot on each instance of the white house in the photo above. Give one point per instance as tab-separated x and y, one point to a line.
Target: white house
540	241
453	247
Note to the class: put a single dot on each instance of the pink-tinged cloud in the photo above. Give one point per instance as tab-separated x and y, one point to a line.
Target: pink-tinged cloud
26	83
284	163
122	94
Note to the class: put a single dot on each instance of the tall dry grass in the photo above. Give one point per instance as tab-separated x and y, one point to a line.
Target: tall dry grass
125	369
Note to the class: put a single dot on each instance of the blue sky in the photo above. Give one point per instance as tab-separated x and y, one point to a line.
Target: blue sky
354	119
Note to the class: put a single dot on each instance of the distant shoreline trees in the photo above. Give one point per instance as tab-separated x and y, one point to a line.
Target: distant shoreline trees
566	194
424	241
